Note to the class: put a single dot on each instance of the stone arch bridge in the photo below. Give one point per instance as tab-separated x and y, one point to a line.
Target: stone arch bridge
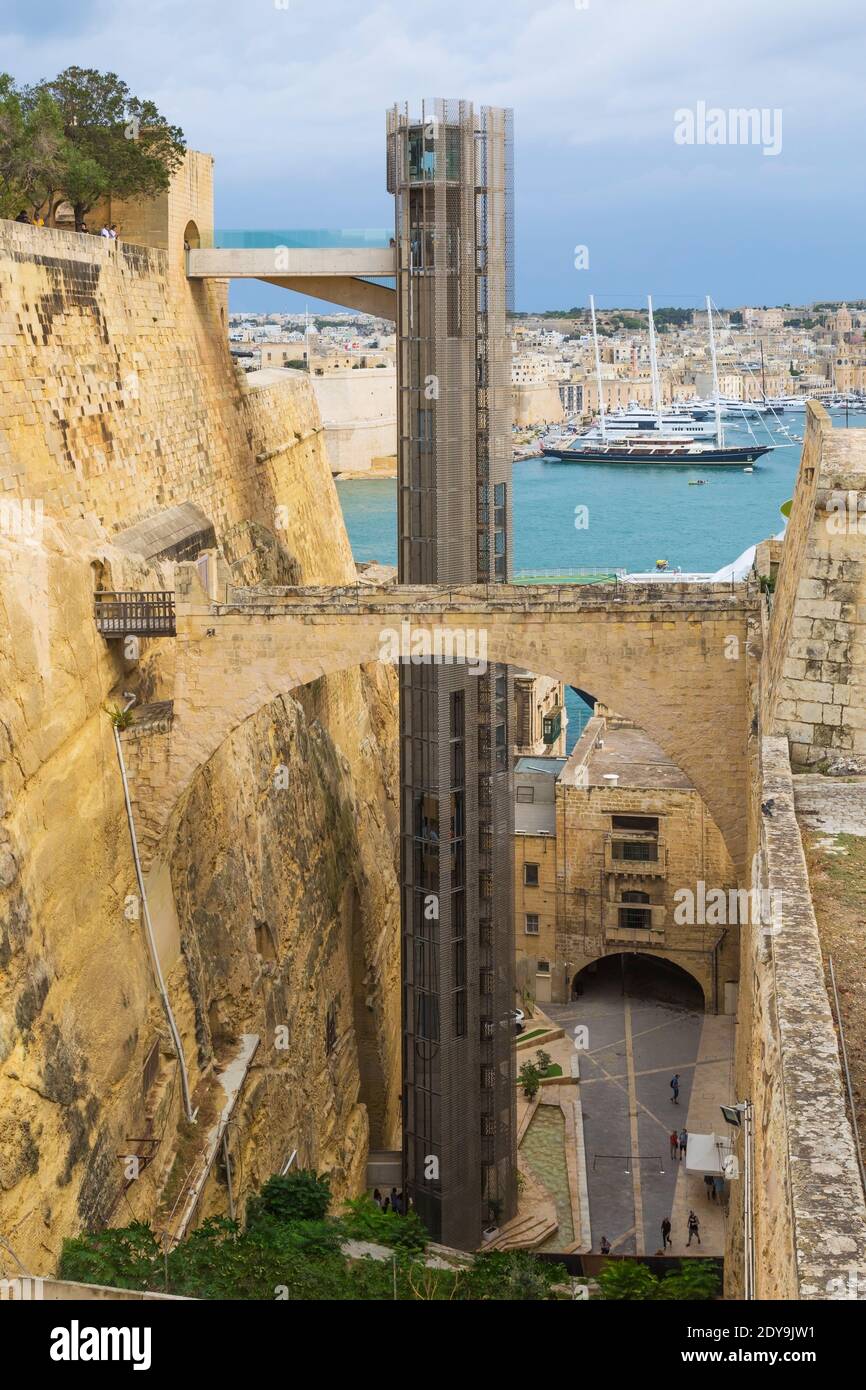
674	657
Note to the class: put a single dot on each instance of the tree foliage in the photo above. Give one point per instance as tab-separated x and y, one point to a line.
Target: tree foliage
80	137
694	1281
288	1252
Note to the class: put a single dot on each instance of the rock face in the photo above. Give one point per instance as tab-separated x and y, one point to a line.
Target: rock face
118	401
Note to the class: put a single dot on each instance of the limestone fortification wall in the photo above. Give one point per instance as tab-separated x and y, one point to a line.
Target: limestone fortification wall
809	1215
814	691
358	407
118	400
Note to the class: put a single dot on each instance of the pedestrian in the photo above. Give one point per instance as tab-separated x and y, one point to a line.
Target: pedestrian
106	231
377	1197
666	1234
675	1143
684	1139
694	1228
605	1245
112	231
394	1199
675	1089
22	217
708	1184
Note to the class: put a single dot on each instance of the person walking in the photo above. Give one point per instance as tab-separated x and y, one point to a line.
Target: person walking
708	1184
675	1089
666	1234
694	1228
684	1139
675	1143
377	1197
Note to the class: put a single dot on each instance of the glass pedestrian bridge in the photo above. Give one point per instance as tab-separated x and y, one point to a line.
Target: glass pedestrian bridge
300	238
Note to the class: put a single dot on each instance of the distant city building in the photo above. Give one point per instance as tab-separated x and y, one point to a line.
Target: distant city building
540	719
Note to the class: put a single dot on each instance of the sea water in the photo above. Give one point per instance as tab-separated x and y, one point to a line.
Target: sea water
568	516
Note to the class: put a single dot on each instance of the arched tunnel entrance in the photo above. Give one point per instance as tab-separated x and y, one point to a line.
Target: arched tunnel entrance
639	976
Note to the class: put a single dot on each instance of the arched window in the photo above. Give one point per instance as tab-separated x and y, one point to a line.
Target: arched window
191	237
632	896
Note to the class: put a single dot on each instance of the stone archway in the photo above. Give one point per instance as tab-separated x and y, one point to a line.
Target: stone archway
191	236
660	656
676	984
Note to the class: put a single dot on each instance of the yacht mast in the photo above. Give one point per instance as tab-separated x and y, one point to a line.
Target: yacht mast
654	366
719	439
598	369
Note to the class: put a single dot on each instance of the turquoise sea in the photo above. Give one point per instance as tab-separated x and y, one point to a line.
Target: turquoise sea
635	515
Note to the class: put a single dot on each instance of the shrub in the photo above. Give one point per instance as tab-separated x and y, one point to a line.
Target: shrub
125	1258
363	1220
299	1196
695	1281
628	1279
530	1079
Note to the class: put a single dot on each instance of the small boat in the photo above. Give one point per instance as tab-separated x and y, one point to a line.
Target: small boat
697	482
748	470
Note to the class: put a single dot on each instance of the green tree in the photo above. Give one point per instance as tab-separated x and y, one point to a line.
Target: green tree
121	144
125	1258
694	1281
628	1279
32	149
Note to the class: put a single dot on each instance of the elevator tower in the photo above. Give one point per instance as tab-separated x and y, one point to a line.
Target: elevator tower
450	170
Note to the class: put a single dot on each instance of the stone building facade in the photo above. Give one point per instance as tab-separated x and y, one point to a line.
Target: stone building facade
616	852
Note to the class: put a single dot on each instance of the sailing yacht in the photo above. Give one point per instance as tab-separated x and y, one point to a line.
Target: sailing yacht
656	447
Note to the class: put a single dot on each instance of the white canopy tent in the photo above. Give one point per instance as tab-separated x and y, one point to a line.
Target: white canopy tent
706	1154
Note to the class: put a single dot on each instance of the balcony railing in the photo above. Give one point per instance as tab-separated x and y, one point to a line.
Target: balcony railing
618	914
123	613
635	854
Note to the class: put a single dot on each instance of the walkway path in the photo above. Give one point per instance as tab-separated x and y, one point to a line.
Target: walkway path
639	1036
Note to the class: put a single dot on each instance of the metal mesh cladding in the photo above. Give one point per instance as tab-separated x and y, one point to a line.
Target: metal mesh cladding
450	169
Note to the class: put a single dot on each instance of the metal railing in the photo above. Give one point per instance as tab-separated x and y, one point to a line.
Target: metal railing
124	613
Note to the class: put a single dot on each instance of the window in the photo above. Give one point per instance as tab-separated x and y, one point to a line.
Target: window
633	896
650	824
634	918
635	849
542	967
530	875
526	795
531	924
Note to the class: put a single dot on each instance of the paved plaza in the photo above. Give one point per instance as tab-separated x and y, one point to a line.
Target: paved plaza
645	1022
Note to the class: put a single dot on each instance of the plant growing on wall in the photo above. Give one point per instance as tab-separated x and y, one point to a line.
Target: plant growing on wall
120	718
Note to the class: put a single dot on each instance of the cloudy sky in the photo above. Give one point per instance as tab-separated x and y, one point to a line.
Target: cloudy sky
289	95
